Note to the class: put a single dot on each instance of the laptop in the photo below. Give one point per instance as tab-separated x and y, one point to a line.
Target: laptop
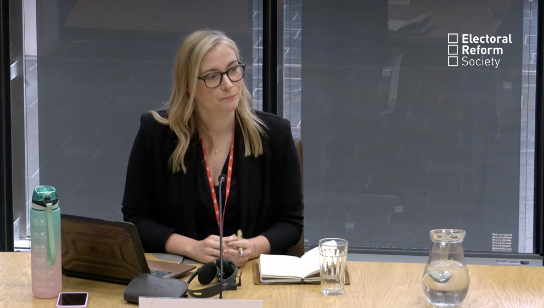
108	251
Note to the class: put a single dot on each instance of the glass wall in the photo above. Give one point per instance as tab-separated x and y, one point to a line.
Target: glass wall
99	66
292	64
416	115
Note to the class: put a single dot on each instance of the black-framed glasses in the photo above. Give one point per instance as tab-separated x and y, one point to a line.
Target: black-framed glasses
235	73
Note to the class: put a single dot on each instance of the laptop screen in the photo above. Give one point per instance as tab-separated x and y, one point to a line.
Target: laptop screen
101	249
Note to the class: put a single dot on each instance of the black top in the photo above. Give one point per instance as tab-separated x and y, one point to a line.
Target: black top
266	198
208	224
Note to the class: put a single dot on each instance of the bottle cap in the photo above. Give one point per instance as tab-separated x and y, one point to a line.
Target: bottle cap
44	194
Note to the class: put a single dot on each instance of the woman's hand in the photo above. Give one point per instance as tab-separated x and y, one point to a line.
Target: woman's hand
239	251
204	251
207	250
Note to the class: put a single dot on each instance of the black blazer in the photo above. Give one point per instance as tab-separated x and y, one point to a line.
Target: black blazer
160	202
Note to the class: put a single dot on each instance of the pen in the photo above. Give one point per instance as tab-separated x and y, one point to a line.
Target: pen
240	238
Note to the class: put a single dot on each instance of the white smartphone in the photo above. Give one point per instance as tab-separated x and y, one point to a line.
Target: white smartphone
72	299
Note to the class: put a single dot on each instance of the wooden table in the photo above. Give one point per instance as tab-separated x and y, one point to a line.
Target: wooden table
373	284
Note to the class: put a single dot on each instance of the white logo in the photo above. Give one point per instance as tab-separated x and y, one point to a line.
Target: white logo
473	50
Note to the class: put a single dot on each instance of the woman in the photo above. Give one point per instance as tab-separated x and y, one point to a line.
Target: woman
208	129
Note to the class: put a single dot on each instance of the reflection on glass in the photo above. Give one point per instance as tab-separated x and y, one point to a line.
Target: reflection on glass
101	65
412	124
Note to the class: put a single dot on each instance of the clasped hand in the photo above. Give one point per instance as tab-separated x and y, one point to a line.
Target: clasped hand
208	249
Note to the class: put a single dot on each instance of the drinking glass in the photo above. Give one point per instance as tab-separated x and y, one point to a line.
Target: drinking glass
333	254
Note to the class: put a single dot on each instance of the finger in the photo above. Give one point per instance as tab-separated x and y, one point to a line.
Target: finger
214	238
230	238
235	254
227	253
233	245
213	245
217	244
211	241
214	252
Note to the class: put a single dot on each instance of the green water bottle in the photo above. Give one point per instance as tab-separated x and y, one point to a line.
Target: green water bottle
45	250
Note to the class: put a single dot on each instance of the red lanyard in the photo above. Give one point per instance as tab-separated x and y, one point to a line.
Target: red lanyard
210	180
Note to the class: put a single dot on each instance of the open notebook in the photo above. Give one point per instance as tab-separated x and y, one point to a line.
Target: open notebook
290	269
108	251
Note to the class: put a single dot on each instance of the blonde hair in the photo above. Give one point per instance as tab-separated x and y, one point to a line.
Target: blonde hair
181	111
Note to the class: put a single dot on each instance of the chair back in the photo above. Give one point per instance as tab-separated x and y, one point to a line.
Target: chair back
298	248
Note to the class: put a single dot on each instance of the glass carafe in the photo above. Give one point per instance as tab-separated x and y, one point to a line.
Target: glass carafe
446	278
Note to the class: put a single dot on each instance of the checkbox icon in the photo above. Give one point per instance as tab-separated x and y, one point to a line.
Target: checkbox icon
453	38
453	61
453	50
